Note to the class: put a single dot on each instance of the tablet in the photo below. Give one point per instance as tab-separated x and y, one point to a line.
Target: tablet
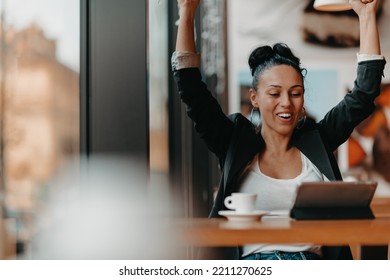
334	200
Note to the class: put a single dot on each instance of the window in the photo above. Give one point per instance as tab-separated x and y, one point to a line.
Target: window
39	91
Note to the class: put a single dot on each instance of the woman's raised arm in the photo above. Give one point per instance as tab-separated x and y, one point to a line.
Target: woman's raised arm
369	35
185	40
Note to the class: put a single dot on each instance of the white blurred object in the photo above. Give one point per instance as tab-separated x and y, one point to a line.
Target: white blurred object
332	5
103	212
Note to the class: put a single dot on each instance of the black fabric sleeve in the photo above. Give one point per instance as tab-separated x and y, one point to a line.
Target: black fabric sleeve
213	126
339	122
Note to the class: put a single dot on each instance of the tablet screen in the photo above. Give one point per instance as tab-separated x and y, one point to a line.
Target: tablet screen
335	194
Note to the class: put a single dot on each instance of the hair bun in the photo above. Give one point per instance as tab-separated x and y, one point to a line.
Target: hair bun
259	56
265	57
264	54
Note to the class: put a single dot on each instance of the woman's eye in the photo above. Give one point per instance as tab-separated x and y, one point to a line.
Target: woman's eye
274	94
296	94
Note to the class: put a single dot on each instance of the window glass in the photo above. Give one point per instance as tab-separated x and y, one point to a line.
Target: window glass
39	116
158	94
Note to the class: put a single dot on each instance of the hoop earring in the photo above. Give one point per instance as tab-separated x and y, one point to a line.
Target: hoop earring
255	118
302	120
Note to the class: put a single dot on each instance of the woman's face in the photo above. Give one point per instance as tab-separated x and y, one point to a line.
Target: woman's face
279	97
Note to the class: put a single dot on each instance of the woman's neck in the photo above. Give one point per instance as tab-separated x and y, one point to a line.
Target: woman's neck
276	143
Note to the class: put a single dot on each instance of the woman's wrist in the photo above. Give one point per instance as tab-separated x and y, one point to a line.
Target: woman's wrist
186	13
185	40
187	20
367	18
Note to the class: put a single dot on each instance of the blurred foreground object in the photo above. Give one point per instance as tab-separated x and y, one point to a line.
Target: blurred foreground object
102	211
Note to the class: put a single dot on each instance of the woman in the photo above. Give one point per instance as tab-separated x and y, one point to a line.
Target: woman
273	158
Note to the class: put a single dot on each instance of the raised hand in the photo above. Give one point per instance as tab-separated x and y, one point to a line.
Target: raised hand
187	7
185	35
369	34
364	8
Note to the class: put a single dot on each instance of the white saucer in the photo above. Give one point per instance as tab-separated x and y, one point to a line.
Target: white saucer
242	217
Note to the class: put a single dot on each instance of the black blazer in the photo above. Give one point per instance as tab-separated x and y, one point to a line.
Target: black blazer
235	142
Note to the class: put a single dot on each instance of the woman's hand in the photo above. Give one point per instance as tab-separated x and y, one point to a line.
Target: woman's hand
188	3
187	7
185	34
369	34
364	8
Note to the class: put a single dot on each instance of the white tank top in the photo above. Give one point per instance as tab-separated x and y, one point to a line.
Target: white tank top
277	197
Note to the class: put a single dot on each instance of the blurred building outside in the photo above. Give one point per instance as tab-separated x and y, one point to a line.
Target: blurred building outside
40	121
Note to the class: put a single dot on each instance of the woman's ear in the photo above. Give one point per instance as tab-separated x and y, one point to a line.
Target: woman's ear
253	97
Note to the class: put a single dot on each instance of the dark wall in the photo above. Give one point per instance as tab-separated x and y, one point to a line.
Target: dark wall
113	80
116	76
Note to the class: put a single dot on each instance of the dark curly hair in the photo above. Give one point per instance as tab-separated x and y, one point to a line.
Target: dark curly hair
265	57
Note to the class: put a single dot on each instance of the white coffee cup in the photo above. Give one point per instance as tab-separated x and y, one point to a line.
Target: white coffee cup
332	5
241	202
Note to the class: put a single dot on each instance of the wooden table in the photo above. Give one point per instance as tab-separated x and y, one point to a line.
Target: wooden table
220	232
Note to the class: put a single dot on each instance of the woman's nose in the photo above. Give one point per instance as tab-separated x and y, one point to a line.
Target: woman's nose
285	100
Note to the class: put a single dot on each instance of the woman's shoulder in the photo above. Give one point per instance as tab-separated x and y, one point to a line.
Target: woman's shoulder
244	133
239	119
235	116
243	126
310	124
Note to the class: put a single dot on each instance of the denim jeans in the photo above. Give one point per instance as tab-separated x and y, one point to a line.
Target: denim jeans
280	255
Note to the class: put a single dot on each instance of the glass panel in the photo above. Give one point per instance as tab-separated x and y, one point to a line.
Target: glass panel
39	116
158	95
